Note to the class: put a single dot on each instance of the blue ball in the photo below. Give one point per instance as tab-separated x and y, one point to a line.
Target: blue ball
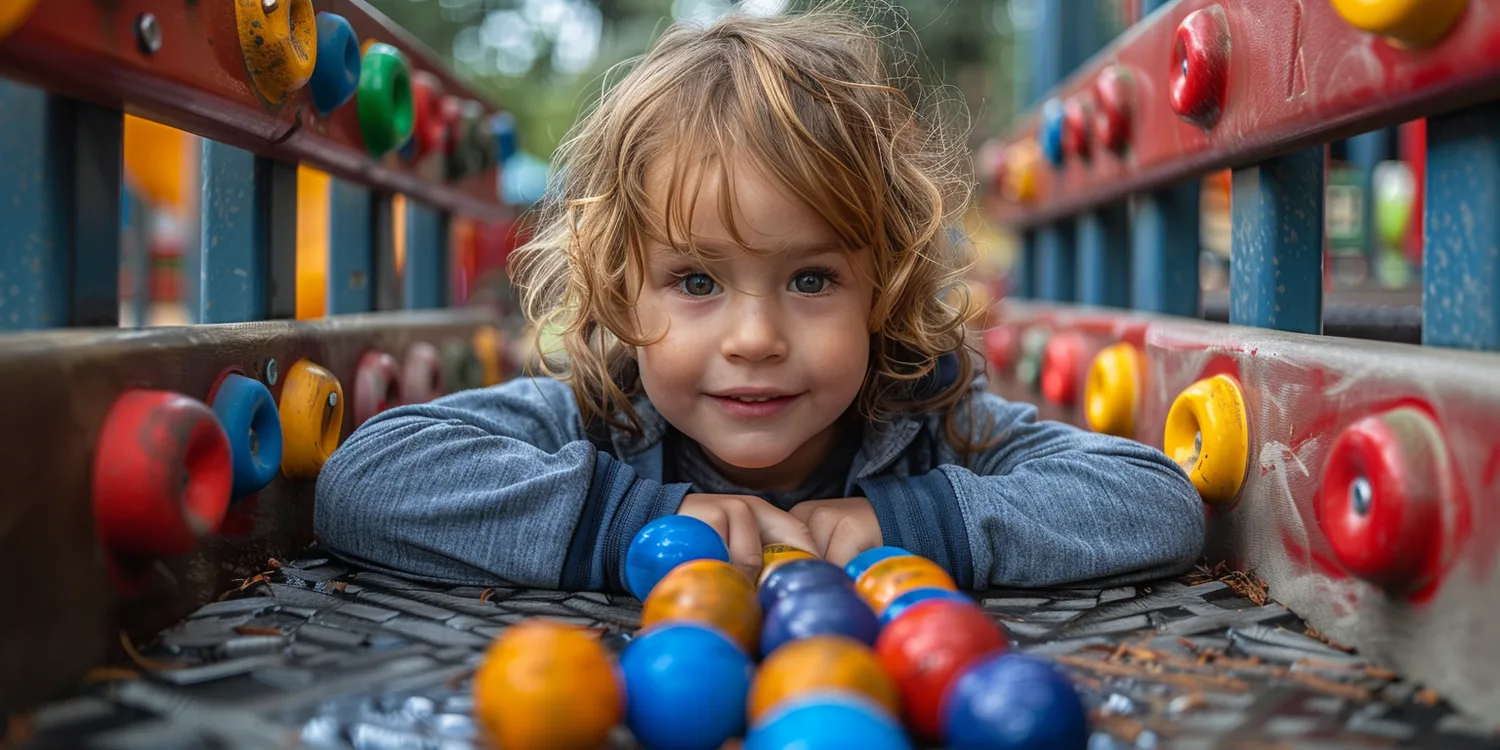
1051	131
664	544
685	688
916	596
828	721
800	575
865	560
1014	702
830	610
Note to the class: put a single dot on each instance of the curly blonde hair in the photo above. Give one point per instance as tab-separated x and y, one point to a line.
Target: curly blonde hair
811	99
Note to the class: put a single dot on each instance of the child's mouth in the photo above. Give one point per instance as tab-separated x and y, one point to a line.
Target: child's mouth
753	406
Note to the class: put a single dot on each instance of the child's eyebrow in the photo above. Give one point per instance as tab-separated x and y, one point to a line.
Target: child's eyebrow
791	250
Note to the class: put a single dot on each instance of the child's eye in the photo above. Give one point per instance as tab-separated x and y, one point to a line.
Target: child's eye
696	284
812	281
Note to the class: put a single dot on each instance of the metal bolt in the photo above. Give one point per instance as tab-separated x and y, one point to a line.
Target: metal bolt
269	6
333	400
148	33
1361	495
271	372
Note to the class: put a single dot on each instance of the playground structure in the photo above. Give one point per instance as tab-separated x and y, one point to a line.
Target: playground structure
147	469
1356	478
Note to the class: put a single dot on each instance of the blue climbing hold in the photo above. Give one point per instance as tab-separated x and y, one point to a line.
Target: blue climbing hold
248	413
336	75
503	125
1052	131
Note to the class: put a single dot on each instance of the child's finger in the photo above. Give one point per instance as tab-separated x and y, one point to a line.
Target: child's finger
780	527
846	539
743	538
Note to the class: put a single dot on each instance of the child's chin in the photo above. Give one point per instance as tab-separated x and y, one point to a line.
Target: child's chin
748	457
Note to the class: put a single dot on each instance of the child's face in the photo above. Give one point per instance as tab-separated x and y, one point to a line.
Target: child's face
789	324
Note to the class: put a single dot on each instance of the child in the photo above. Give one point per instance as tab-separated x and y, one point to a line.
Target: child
747	267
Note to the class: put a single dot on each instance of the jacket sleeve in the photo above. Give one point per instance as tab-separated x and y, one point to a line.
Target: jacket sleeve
1047	504
497	486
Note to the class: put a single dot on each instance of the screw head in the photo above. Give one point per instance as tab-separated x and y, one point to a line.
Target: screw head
271	372
1361	495
269	6
333	400
148	33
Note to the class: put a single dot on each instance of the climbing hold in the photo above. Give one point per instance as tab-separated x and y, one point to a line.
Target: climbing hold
1033	346
1411	23
462	370
1208	435
336	74
1062	363
248	414
384	99
503	125
1076	134
312	418
1112	116
471	147
1200	67
430	132
1052	131
1019	171
162	475
377	385
489	347
1383	497
1112	393
13	13
421	374
279	42
1000	345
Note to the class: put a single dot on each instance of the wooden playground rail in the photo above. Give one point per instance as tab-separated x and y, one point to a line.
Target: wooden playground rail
147	470
1356	479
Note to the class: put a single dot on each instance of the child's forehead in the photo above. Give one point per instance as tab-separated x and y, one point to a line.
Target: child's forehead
734	202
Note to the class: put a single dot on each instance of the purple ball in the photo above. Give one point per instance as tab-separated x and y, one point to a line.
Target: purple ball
829	610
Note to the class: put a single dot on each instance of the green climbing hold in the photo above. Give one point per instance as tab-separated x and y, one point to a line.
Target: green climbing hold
384	99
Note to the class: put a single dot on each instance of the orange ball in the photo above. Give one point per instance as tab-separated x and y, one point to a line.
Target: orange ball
894	576
821	663
707	592
546	684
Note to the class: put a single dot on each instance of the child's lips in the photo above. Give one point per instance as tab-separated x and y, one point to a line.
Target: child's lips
762	406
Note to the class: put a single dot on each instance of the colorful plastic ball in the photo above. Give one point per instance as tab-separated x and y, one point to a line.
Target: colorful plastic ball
892	577
1014	702
707	592
924	652
800	575
869	557
831	610
828	721
665	543
685	688
914	597
547	684
820	664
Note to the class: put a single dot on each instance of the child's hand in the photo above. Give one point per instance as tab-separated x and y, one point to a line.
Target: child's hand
747	523
841	528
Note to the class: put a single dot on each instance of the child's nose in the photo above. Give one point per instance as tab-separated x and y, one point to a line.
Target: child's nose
754	333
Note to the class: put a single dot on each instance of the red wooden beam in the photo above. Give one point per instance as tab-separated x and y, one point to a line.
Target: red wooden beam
1294	74
198	81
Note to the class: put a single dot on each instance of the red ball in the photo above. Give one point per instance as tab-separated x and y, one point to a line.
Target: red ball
926	648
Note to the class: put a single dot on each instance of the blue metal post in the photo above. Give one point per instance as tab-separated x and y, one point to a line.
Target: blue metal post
387	282
1056	262
351	249
1024	270
1365	151
248	267
1276	263
1104	257
425	278
1461	241
60	206
1164	245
